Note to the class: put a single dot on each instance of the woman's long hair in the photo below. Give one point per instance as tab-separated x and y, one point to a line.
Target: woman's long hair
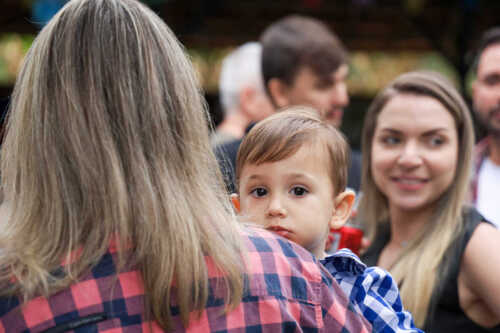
107	139
418	264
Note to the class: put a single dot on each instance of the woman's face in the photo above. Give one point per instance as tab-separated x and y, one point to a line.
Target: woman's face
414	151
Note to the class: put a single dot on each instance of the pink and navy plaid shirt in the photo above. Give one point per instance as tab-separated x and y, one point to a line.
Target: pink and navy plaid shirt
287	291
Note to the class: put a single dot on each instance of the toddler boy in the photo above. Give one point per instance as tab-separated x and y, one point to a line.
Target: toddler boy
291	175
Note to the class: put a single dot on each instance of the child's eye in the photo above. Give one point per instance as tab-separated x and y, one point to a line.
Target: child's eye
298	191
258	192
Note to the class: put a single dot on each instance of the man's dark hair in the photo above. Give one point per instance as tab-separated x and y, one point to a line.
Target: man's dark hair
488	38
297	41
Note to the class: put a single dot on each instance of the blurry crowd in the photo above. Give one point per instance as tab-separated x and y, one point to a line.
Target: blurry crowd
122	212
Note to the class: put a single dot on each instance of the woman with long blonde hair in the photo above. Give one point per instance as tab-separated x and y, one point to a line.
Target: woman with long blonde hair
114	212
417	143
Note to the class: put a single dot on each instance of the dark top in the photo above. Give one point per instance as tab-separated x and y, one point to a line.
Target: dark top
226	156
445	314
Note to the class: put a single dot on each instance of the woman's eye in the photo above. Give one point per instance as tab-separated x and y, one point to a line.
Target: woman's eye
258	192
298	191
436	141
391	140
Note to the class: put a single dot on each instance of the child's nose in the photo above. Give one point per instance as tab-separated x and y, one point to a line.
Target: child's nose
276	207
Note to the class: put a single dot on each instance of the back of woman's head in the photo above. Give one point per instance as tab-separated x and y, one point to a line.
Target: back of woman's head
105	77
427	249
107	137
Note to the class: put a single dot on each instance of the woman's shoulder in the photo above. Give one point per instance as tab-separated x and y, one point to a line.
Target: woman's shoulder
484	239
279	268
269	255
479	270
258	239
472	218
474	224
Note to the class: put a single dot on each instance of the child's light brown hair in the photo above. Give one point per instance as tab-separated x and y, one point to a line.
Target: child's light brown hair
283	134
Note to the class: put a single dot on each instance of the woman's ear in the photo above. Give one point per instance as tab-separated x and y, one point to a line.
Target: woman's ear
235	199
343	206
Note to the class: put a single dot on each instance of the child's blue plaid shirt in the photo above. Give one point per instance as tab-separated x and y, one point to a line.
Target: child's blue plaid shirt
372	291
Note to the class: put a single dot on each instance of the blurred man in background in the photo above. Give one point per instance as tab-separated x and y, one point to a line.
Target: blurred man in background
485	188
242	95
303	63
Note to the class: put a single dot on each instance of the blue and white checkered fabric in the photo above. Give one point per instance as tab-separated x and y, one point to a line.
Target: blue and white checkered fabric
372	291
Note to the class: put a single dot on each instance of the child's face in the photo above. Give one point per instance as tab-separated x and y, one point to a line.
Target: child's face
294	198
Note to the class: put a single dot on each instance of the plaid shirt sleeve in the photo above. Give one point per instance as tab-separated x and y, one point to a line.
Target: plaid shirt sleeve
286	290
372	290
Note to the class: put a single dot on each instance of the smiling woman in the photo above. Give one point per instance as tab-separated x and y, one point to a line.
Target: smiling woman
417	142
414	152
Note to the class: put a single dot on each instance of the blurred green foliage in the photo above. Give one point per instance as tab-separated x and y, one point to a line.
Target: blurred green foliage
13	47
369	71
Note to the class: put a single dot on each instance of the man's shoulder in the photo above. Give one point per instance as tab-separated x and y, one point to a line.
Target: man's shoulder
226	157
219	137
354	173
228	147
481	150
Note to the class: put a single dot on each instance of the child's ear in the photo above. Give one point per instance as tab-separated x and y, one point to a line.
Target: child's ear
235	199
343	206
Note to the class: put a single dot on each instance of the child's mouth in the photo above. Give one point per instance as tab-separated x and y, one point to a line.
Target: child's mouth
280	231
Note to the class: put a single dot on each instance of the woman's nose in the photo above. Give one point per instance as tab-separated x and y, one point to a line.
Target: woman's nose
410	156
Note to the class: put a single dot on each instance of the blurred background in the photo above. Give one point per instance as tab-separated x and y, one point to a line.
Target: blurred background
384	37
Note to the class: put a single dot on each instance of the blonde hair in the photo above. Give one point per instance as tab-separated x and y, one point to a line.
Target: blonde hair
107	139
418	264
284	133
